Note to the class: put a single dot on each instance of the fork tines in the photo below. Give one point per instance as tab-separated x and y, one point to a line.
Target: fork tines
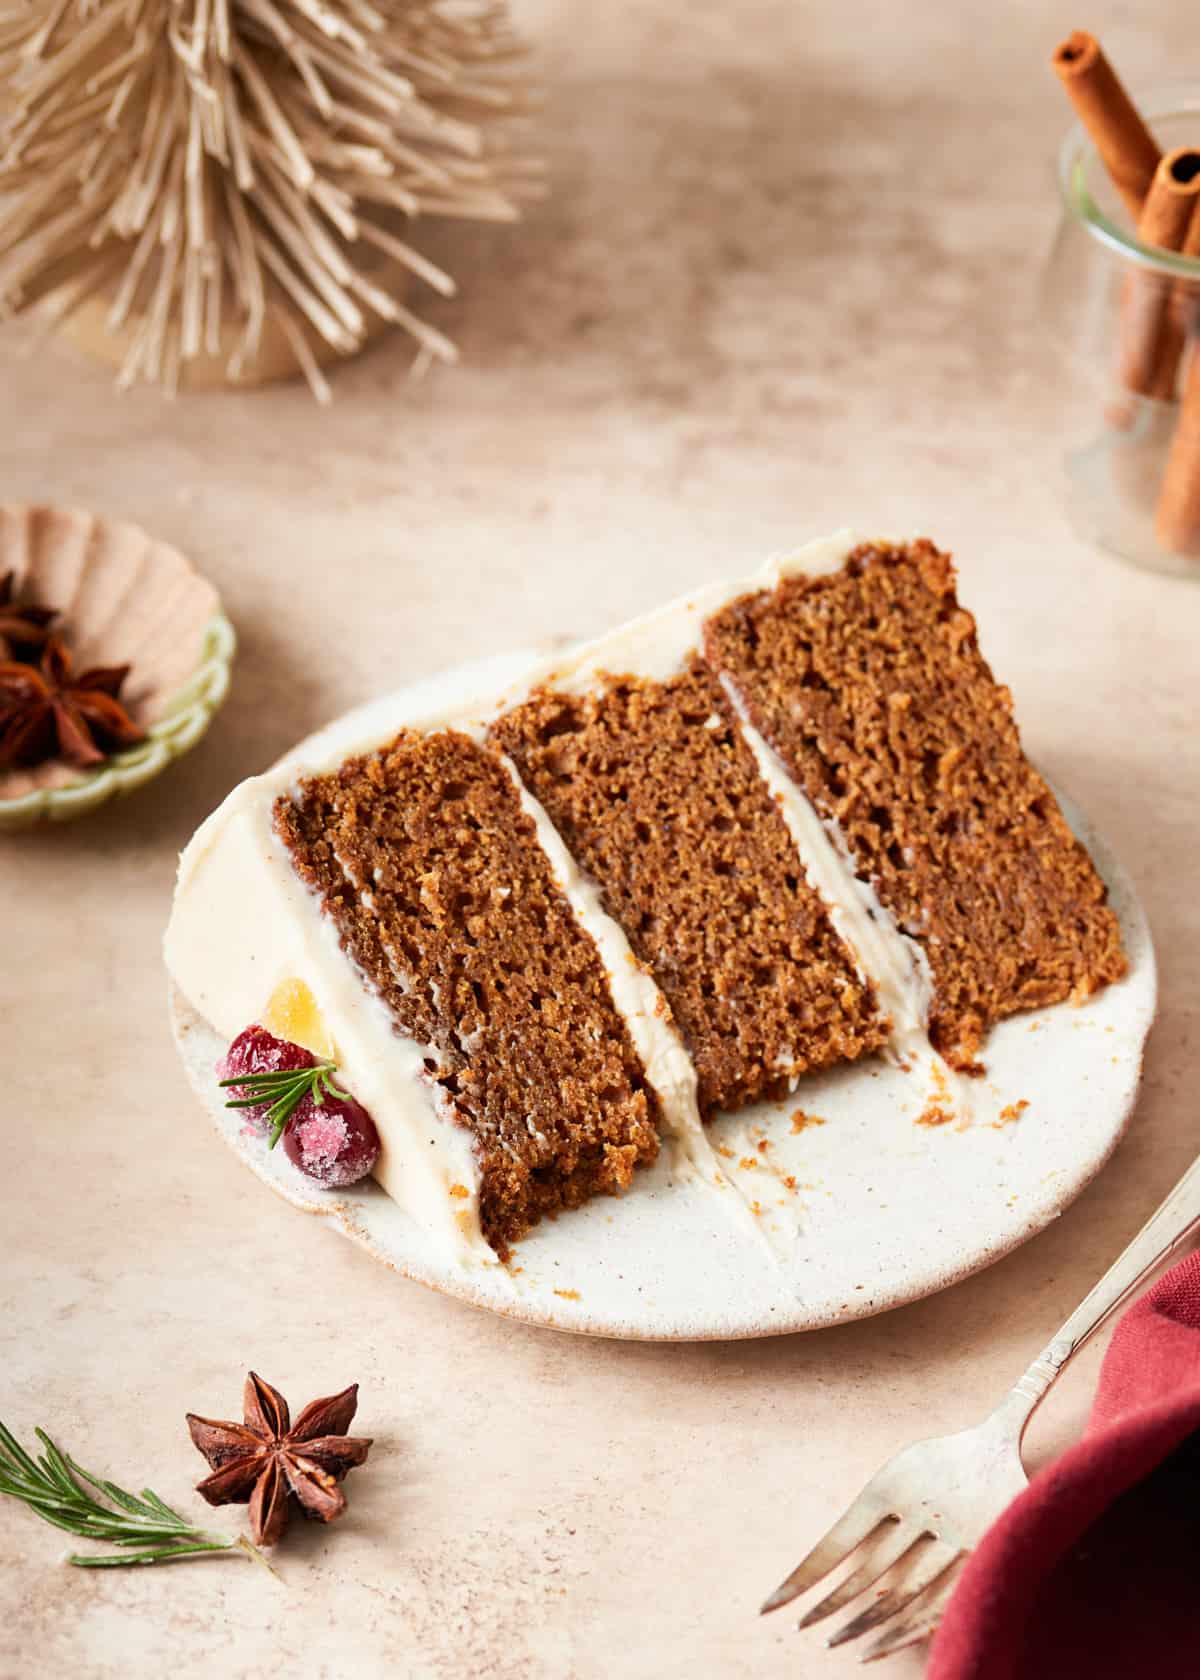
907	1572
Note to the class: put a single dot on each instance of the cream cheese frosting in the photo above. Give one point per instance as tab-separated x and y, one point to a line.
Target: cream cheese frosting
632	988
243	921
884	956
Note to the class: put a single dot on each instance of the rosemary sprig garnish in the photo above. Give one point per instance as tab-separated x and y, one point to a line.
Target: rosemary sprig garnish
285	1089
60	1491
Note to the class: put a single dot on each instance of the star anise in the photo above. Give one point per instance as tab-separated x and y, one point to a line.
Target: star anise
21	626
269	1457
48	712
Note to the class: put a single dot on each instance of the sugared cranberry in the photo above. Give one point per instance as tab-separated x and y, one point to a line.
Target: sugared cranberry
258	1051
333	1142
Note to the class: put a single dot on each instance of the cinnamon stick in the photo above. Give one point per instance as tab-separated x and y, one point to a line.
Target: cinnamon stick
1177	520
1152	334
1181	319
1126	146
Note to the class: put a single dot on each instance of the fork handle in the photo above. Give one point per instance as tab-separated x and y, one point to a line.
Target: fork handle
1168	1225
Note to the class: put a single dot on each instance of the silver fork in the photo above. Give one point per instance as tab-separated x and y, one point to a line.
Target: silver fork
911	1527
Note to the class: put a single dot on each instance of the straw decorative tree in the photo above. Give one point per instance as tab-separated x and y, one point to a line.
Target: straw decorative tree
217	181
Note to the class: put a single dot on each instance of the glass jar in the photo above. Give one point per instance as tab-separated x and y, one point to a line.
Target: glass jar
1124	323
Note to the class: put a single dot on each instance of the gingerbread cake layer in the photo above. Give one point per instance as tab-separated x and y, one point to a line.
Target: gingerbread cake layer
431	872
656	794
870	686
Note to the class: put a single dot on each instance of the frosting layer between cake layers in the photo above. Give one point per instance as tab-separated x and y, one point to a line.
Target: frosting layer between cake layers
244	921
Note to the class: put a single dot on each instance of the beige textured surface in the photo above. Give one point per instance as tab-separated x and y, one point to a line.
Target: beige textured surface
785	279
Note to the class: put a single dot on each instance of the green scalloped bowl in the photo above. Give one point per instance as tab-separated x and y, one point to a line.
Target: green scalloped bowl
125	598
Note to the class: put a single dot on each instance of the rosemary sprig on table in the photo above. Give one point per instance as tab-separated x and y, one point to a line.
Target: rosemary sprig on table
285	1089
60	1491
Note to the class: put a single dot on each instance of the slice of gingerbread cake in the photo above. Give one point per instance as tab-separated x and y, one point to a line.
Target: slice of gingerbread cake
870	686
783	824
447	906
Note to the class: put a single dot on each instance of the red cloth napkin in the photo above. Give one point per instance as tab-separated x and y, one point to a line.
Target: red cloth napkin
1094	1571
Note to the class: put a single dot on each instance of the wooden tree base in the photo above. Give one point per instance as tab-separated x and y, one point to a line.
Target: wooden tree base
88	330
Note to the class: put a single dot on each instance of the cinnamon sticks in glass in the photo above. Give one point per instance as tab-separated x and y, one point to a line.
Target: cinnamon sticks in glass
1158	316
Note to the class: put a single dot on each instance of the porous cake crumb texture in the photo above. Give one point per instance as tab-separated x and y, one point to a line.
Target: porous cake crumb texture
871	687
441	895
659	798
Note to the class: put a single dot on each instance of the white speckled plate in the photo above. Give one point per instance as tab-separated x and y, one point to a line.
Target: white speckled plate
844	1204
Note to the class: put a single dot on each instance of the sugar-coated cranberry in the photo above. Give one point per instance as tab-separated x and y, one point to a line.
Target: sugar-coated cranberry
258	1051
332	1142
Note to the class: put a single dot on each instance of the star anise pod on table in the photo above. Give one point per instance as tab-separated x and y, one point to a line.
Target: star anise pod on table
48	712
268	1458
21	627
